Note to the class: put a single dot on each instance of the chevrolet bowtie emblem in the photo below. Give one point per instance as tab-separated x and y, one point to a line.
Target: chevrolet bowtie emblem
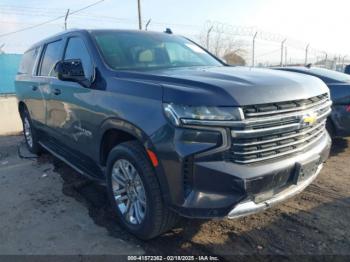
309	119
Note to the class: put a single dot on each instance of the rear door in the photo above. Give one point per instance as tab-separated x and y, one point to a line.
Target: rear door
28	87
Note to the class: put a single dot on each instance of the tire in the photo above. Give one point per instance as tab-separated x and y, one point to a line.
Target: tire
29	133
157	218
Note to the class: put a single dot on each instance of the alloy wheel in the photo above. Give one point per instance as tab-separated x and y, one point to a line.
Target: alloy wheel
129	191
28	132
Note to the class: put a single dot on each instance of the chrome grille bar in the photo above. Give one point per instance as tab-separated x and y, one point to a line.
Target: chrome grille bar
246	133
299	149
258	120
280	117
281	138
300	108
275	130
300	141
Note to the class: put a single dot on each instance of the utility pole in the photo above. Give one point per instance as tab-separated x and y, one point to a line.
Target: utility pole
306	53
65	20
147	24
282	49
208	36
343	63
253	51
325	59
285	56
139	13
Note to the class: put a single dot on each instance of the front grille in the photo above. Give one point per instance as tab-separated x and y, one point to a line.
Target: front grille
278	129
283	107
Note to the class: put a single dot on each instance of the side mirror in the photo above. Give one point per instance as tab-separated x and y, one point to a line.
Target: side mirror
72	70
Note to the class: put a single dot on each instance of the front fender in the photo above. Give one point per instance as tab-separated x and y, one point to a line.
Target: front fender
142	137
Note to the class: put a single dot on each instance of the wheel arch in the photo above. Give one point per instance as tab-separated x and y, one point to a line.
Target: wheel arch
115	131
117	128
21	108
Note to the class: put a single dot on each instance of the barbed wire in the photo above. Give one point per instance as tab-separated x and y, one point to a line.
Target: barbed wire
265	40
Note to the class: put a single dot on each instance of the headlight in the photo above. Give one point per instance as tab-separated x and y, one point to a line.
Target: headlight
179	114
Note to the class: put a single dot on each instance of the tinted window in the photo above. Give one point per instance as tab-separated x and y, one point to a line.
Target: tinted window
180	54
51	56
136	50
28	61
76	49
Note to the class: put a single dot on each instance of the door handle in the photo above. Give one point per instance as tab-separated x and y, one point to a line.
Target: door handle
34	88
57	91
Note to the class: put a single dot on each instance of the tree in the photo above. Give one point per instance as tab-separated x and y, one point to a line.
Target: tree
222	44
234	59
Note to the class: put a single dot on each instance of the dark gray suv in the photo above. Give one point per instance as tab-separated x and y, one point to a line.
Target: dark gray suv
169	128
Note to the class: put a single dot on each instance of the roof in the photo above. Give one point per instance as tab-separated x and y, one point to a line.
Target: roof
89	31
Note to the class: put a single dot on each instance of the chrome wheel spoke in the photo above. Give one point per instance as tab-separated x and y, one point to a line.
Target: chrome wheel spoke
142	200
118	192
118	179
120	199
124	169
130	211
28	132
138	212
129	191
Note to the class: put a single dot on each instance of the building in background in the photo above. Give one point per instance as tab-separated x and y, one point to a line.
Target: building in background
8	69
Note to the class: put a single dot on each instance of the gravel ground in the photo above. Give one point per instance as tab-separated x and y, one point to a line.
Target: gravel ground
316	222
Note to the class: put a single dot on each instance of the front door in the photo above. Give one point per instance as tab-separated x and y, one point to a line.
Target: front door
51	54
68	110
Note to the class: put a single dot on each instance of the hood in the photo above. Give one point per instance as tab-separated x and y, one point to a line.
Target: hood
233	86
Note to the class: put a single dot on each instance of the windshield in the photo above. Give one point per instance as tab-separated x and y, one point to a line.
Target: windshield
334	75
141	50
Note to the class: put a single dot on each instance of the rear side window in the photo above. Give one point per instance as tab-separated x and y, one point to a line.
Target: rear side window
52	54
76	49
28	61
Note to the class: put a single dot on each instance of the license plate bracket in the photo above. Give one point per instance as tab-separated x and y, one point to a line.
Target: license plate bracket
305	169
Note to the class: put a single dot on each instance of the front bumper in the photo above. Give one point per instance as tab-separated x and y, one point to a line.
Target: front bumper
209	187
250	207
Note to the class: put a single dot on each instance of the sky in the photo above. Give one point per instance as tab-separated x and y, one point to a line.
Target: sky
322	23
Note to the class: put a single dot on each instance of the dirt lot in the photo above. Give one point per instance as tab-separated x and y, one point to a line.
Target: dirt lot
315	222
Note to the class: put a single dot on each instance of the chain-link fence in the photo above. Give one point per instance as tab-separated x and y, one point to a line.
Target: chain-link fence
264	49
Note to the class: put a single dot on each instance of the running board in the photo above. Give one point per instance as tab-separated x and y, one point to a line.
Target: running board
79	170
